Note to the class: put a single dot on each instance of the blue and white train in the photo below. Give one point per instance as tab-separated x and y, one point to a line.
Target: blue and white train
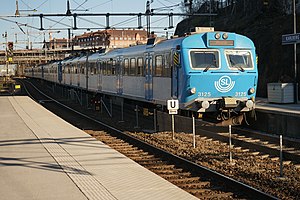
209	73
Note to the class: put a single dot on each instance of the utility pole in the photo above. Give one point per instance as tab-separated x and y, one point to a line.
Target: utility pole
148	13
17	13
6	53
189	3
295	54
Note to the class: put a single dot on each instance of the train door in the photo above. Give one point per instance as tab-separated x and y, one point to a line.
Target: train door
119	73
71	73
175	65
148	76
64	73
59	72
78	73
99	75
42	69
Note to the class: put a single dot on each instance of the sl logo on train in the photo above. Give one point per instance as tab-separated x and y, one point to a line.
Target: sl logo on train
224	84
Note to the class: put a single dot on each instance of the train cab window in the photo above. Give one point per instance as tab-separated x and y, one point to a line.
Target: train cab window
140	64
158	65
126	66
132	66
239	59
113	67
204	59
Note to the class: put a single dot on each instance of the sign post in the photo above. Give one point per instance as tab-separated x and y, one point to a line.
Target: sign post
230	150
173	106
293	39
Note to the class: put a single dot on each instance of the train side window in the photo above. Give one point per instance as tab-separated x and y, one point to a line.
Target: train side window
167	65
78	70
104	67
91	68
158	65
126	66
140	64
82	68
113	67
121	63
95	68
98	67
108	67
132	66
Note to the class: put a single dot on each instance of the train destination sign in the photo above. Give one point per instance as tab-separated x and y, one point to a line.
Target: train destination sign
221	43
291	38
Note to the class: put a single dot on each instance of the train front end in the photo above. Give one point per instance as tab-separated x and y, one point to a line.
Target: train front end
221	75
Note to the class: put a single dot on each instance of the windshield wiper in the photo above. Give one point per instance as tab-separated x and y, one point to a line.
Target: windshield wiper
207	68
236	65
240	68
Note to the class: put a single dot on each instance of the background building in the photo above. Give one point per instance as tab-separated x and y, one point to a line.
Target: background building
112	38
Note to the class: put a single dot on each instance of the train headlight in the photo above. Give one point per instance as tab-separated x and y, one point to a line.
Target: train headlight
249	104
193	90
251	91
205	104
225	36
217	36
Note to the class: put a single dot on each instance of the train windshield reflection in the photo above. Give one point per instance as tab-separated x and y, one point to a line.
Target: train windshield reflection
239	59
204	59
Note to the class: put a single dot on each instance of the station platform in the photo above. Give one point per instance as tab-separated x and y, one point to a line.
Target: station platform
263	105
277	118
44	157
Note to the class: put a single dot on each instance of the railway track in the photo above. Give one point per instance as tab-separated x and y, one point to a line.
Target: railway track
198	180
200	188
259	143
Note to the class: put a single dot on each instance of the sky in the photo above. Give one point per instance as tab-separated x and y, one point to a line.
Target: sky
24	30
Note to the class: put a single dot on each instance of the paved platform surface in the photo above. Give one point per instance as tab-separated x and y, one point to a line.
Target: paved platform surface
44	157
262	104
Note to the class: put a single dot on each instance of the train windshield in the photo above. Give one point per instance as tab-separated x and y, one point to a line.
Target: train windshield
204	59
239	59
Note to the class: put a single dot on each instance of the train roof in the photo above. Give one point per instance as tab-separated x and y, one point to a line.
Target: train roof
198	40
